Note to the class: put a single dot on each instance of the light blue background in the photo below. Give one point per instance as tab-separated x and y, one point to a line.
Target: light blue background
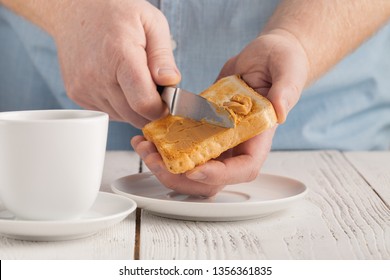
348	109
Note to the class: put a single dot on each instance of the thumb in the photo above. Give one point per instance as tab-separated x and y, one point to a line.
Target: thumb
288	81
159	52
283	96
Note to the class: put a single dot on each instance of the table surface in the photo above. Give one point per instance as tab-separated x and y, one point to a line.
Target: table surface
345	215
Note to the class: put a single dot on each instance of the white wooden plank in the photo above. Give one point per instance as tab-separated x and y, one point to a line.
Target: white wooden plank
116	242
355	216
341	218
375	168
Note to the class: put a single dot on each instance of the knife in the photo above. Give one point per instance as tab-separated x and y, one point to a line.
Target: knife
189	105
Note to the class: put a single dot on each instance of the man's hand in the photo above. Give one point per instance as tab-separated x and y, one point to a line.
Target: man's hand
275	65
240	164
112	53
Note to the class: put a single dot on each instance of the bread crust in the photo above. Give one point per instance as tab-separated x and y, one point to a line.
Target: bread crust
184	144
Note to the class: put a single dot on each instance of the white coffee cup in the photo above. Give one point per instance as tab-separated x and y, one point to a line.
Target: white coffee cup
51	162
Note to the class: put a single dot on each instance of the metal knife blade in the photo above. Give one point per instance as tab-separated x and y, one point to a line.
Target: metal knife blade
189	105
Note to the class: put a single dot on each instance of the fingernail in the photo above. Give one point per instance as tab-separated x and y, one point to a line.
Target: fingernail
197	175
166	72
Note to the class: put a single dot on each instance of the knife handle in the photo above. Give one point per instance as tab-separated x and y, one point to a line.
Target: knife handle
160	89
168	95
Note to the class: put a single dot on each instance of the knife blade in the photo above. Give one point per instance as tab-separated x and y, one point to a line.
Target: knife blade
189	105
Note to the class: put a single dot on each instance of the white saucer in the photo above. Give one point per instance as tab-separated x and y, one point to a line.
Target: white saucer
107	210
265	195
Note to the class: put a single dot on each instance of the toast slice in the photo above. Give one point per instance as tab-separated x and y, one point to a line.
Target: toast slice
184	143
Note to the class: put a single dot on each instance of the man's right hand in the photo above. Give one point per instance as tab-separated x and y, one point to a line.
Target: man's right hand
112	53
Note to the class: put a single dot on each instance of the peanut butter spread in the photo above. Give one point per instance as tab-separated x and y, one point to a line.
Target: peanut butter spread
239	104
186	132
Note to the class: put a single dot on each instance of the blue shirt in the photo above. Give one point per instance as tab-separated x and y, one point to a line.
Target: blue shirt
347	109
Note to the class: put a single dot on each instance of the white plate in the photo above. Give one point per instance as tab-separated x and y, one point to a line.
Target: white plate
107	210
265	195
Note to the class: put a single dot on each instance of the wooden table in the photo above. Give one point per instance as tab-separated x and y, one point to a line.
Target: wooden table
345	215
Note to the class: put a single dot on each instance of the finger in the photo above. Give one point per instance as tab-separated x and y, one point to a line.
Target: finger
142	146
243	166
135	80
159	51
288	76
284	94
177	182
136	140
119	103
105	106
258	83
